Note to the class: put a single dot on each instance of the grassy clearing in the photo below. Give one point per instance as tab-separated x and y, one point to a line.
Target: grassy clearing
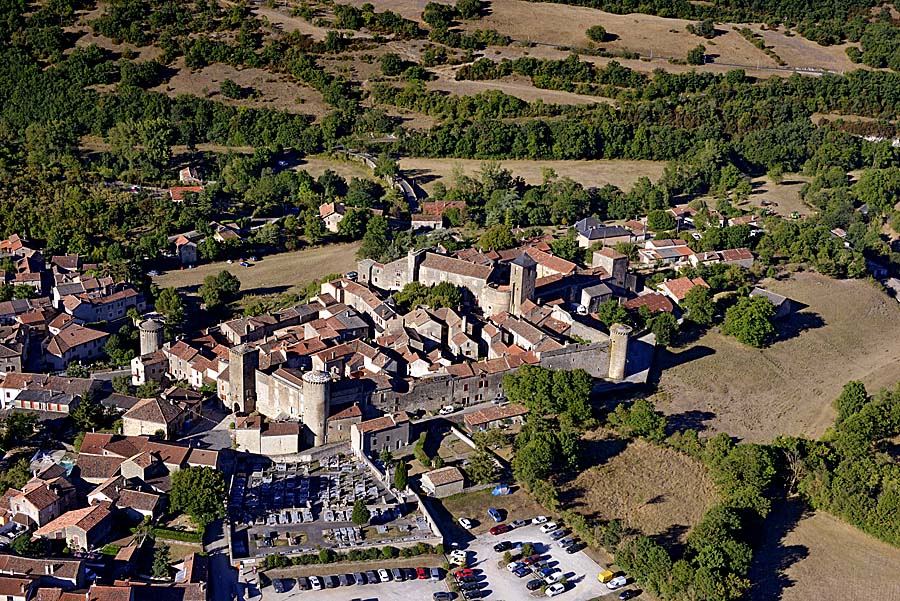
650	488
849	330
817	556
427	172
280	272
515	506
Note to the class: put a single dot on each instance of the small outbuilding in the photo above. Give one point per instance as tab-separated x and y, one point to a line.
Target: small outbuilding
443	482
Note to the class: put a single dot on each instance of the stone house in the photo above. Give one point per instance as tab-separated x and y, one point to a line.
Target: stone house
387	433
150	416
443	482
85	528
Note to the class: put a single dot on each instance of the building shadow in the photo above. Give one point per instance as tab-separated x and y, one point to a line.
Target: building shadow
772	558
669	358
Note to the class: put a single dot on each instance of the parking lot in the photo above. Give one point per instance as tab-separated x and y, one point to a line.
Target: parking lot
411	590
580	570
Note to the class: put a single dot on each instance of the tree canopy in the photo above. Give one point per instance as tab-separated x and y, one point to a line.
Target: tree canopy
199	492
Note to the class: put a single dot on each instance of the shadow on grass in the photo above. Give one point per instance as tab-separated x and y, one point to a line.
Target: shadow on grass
772	557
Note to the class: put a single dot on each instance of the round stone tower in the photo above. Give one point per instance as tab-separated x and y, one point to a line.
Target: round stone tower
316	398
151	334
618	350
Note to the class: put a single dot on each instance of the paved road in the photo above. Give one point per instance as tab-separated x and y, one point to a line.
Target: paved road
411	590
223	578
210	431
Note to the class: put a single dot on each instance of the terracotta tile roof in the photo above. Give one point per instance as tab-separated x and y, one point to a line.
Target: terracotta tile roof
438	207
40	496
679	287
737	254
382	423
282	429
154	411
551	262
654	301
177	192
351	411
457	266
611	253
72	336
491	414
444	475
203	457
25	566
139	501
169	453
85	519
95	467
14	587
109	593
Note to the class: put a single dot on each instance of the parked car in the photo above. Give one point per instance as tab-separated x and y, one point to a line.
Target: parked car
315	583
442	596
500	529
578	546
617	582
345	579
282	585
534	585
398	575
468	579
557	534
522	572
549	527
555	589
502	546
553	577
360	578
518	523
384	575
565	542
466	523
331	582
435	574
470	586
447	410
513	566
532	559
494	514
541	519
629	594
372	577
474	594
421	573
303	583
463	573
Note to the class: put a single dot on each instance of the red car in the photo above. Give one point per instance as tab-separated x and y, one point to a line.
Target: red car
500	529
464	573
532	559
421	574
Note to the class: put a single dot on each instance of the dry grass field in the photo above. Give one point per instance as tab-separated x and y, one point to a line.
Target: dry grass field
518	505
520	87
623	174
653	489
850	330
798	52
274	273
816	556
276	91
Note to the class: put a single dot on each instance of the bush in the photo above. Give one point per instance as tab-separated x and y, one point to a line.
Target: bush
697	55
597	33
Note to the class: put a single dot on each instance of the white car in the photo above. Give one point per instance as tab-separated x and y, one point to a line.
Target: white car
555	589
384	575
541	519
447	410
553	577
458	557
465	523
550	527
515	565
617	582
315	583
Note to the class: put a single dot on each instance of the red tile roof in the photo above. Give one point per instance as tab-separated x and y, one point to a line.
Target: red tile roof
654	301
492	414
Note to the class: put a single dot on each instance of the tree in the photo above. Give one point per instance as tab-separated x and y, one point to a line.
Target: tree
664	326
377	240
482	468
122	384
469	9
401	475
596	33
88	413
26	546
220	289
567	247
361	514
230	89
612	312
77	370
697	55
392	64
498	237
852	398
17	429
750	320
704	29
660	221
314	228
199	492
699	306
171	304
641	419
162	562
386	166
